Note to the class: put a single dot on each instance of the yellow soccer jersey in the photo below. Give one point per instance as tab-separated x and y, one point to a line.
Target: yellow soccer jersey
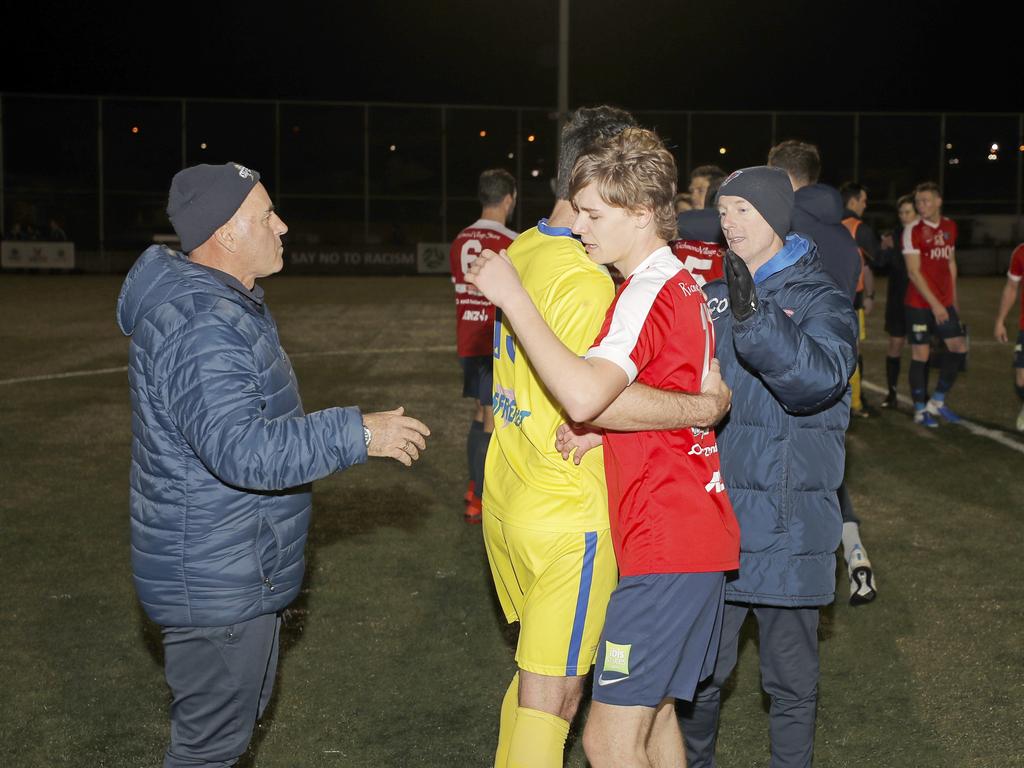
527	482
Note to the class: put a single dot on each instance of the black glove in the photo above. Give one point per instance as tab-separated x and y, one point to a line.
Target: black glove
742	296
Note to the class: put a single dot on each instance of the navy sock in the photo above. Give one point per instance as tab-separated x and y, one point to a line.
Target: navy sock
892	372
476	429
482	441
919	381
951	362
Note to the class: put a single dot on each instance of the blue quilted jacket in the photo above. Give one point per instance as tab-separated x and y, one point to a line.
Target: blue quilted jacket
222	453
782	445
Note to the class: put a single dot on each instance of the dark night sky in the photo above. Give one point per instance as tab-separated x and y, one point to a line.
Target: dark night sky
729	54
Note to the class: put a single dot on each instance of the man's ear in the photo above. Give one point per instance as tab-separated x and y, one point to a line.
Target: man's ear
225	235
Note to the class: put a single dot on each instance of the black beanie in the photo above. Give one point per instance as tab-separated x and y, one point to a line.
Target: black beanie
204	197
767	189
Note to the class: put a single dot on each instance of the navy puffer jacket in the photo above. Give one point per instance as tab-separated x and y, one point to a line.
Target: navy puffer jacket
222	453
782	445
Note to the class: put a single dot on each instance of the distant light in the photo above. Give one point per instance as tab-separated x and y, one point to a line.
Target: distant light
993	156
994	148
721	150
531	137
1021	147
949	146
483	134
202	145
135	129
535	173
954	161
392	147
513	154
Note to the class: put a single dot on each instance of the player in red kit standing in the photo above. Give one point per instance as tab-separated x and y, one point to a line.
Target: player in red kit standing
929	248
474	320
672	524
1010	291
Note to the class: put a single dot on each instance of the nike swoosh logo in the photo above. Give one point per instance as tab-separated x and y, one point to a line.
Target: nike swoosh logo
602	681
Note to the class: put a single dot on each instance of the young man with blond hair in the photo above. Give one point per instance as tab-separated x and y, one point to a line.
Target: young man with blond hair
672	525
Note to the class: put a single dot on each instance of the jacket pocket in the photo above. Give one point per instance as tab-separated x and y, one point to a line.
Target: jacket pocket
268	550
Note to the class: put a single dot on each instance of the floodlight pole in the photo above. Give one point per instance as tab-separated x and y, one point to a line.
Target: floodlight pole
563	65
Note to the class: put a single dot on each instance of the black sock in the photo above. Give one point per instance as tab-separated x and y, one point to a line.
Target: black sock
947	373
892	372
919	381
480	459
1020	392
476	429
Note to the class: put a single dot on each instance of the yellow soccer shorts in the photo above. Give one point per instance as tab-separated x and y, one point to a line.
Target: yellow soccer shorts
556	585
862	322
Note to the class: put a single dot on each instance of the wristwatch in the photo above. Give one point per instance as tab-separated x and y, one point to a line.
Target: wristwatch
367	435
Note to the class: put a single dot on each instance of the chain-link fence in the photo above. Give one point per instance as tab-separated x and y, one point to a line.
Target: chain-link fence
380	176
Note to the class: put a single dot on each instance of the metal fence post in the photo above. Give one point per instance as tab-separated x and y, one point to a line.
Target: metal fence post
99	181
366	174
444	174
3	225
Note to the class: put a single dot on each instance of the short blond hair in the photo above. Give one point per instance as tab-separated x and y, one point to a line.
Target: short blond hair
632	170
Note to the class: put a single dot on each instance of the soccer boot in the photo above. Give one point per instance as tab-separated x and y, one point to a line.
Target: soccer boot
1020	420
470	490
891	400
924	419
939	408
862	579
474	511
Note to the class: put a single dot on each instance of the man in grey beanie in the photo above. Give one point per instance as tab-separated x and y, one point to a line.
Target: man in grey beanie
786	337
222	457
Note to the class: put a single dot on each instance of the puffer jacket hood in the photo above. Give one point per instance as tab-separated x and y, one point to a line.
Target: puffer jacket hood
700	224
222	452
782	445
818	215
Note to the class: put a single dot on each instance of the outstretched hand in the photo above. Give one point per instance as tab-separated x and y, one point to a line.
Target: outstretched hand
742	296
578	438
495	277
396	436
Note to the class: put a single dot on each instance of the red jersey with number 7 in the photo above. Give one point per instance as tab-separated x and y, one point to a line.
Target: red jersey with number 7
474	314
668	506
936	244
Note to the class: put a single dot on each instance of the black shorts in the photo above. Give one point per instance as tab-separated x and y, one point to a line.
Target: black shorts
477	377
1018	351
660	638
921	325
895	310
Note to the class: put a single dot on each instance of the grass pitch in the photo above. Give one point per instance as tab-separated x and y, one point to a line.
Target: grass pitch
395	653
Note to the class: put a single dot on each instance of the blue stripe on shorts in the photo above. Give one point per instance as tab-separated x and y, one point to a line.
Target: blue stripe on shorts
582	599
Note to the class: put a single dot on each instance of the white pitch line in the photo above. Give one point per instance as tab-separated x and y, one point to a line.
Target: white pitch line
992	434
326	353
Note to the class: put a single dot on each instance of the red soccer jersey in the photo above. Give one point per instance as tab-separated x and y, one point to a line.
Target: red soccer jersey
704	261
1015	273
668	506
474	315
936	243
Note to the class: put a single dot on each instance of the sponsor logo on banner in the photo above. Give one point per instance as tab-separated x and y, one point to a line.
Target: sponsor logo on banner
432	258
21	254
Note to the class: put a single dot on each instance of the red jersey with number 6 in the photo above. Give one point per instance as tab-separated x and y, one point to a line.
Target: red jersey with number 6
474	315
936	243
667	502
704	261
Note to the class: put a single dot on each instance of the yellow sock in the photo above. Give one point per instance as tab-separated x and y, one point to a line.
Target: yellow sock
509	705
855	401
538	740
